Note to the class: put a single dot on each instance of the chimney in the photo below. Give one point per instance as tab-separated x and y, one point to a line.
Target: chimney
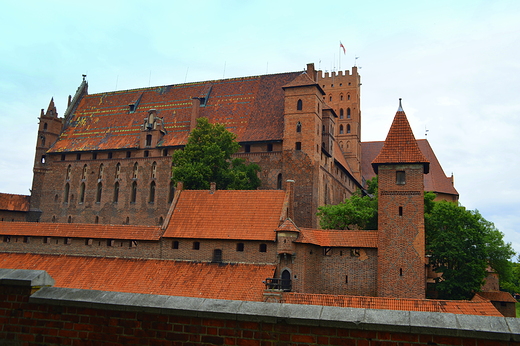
289	188
195	108
311	71
212	187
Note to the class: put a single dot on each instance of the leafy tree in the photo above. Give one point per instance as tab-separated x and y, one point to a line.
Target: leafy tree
461	243
207	158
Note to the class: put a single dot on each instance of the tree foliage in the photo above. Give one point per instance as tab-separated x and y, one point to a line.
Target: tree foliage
461	243
207	158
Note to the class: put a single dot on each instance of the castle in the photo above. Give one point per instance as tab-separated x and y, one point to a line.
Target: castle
107	209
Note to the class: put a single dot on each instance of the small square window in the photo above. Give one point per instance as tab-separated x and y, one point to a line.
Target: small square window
263	248
240	247
298	146
196	245
175	245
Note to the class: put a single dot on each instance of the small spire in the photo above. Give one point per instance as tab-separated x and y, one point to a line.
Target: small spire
400	109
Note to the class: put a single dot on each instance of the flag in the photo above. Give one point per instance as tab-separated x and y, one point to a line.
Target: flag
342	46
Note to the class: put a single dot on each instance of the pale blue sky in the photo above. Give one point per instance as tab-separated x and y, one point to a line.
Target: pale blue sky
456	64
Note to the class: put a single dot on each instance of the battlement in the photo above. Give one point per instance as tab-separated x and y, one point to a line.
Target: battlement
347	75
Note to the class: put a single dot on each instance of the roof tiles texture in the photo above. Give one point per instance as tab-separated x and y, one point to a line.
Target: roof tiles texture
435	181
400	145
227	214
12	202
187	279
79	230
338	238
250	107
447	306
495	296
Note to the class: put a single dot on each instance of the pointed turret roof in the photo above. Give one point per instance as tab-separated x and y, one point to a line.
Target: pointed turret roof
400	145
51	110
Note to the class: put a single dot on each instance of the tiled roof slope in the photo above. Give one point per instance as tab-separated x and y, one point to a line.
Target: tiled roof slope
227	214
338	238
400	145
79	230
495	296
250	107
435	181
187	279
448	306
12	202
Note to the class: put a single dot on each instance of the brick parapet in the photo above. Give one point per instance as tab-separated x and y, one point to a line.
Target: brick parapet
55	315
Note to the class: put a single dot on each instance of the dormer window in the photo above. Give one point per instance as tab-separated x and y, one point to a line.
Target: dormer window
131	107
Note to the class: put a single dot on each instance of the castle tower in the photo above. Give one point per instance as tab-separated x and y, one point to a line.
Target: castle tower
401	245
49	129
343	96
304	134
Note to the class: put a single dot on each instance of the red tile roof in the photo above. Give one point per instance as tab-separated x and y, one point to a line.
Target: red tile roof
435	181
448	306
495	296
227	214
400	145
250	107
79	230
14	202
338	238
188	279
303	80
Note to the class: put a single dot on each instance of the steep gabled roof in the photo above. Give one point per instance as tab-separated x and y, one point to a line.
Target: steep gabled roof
303	80
250	107
447	306
187	279
495	296
435	181
12	202
80	230
338	238
227	214
400	145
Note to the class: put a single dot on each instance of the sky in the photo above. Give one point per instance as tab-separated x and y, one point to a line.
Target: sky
455	64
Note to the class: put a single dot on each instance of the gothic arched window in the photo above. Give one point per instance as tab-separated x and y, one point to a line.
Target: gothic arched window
299	105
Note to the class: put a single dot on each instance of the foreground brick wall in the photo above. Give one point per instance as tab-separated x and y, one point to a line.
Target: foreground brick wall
57	316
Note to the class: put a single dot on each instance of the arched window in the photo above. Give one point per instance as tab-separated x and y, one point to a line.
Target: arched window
340	129
151	198
299	105
133	195
84	174
330	98
286	280
69	171
69	220
348	128
43	141
118	170
299	127
116	192
98	192
341	97
348	113
44	126
348	97
136	168
66	193
82	193
154	170
279	181
100	174
341	113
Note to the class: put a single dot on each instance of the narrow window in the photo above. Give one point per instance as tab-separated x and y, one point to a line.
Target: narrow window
109	155
78	156
152	193
341	113
196	245
66	193
269	147
62	157
67	241
110	242
54	218
299	127
286	281
330	98
69	171
94	156
133	195
84	174
348	113
341	97
100	174
148	140
118	171
217	256
43	141
127	221
340	129
400	211
146	153
346	279
161	221
298	146
279	181
240	247
69	220
247	148
136	168
348	128
99	192
165	152
400	177
154	170
348	97
263	248
96	220
128	154
82	193
171	194
400	271
44	126
43	159
175	244
299	105
116	192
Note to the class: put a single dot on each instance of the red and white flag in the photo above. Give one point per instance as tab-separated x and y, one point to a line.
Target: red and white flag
343	47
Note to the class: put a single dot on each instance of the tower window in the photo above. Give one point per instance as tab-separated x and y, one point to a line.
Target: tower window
298	145
299	127
82	193
66	193
279	181
348	113
341	113
116	192
133	196
172	192
400	177
118	170
348	128
299	105
400	211
152	192
154	170
340	129
98	193
148	140
136	168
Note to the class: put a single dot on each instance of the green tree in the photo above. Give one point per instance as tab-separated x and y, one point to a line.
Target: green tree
461	243
207	158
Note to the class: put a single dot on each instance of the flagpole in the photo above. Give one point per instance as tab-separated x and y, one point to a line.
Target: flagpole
339	55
